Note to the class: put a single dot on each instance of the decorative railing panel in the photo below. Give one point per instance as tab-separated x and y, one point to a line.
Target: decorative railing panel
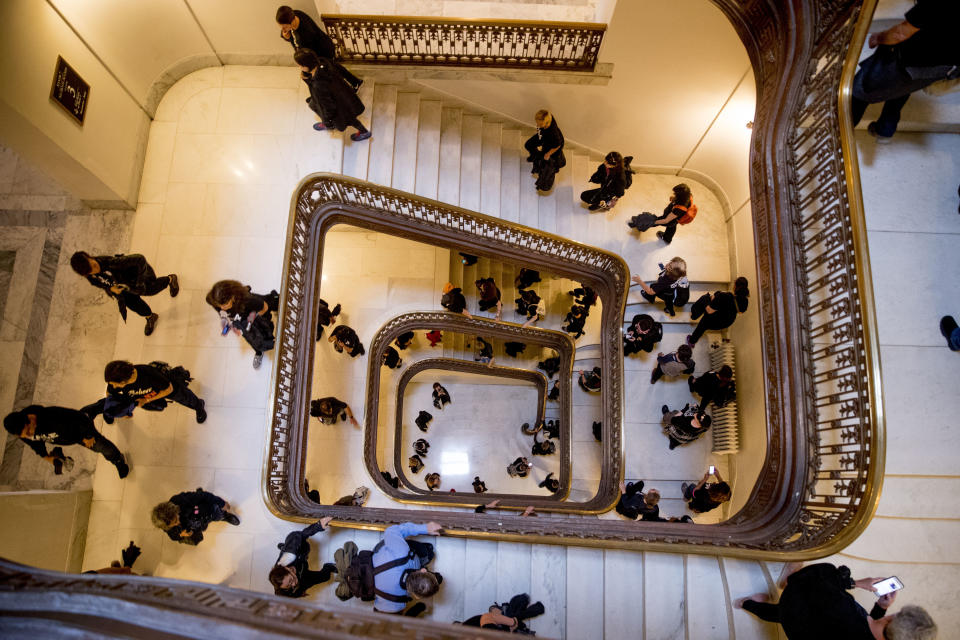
514	44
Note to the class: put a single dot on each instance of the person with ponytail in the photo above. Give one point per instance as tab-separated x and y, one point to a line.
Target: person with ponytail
611	177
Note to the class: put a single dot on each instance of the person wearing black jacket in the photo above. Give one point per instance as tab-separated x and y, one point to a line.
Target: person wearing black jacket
245	313
37	425
643	334
151	385
719	310
126	279
509	616
331	97
302	32
185	516
291	575
545	149
717	386
636	505
344	337
611	177
680	202
453	300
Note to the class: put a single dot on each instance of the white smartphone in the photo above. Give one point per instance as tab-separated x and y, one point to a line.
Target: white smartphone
711	469
888	585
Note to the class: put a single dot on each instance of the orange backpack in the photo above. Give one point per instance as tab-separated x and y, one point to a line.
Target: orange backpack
689	213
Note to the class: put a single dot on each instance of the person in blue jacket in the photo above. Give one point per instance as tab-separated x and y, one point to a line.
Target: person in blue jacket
398	585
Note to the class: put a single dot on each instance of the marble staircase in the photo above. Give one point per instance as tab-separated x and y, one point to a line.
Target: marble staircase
464	158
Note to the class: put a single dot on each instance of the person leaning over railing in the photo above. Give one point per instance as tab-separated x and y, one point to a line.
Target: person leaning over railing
815	604
302	32
291	575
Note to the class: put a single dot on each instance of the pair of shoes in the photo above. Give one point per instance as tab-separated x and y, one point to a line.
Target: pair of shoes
947	326
231	518
174	285
660	234
670	312
151	324
257	360
319	126
881	139
358	136
683	489
664	409
202	412
122	469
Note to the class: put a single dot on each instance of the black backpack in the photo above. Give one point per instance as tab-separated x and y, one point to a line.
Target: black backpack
360	576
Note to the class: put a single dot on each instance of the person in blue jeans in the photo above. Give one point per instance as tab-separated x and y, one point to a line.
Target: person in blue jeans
411	581
950	331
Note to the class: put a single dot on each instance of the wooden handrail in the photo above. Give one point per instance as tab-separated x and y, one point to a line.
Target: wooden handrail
457	42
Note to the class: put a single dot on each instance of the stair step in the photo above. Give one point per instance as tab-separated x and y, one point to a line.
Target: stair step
448	189
356	155
490	169
708	620
381	145
664	599
428	149
585	571
471	151
406	142
510	163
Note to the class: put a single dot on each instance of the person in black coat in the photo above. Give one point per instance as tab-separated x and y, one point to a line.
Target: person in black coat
612	179
331	97
717	387
126	279
719	309
151	386
391	358
291	575
325	315
508	616
453	300
643	334
185	516
545	149
36	426
343	337
245	313
302	32
636	505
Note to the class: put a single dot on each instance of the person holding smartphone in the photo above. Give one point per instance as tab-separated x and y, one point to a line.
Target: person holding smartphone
816	604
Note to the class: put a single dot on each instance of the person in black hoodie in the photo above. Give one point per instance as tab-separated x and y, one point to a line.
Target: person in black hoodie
331	97
126	279
509	616
245	313
643	334
612	179
302	32
635	505
291	575
37	425
719	310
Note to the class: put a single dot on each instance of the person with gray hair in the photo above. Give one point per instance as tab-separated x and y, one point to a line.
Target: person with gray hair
815	604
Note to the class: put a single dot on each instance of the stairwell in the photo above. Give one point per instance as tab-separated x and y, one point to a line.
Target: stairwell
448	151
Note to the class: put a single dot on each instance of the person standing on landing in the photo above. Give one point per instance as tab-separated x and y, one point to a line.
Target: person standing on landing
331	97
125	278
150	386
245	313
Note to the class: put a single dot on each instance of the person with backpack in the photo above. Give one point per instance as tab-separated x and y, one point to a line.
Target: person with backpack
152	385
719	309
680	210
291	575
245	313
685	425
671	286
395	572
611	175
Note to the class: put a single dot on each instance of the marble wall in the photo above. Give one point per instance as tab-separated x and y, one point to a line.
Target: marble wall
51	322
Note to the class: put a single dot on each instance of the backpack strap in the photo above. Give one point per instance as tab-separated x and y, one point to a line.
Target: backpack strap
390	565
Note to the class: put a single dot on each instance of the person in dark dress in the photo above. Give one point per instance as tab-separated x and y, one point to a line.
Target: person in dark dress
526	278
152	385
186	515
302	32
453	300
611	177
635	505
391	358
815	603
914	53
325	316
680	203
331	97
343	337
643	334
245	313
575	320
719	309
673	276
126	279
489	294
38	426
404	340
440	396
291	575
717	386
328	410
706	496
508	617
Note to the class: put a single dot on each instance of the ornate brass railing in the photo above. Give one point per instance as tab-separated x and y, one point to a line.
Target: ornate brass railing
514	44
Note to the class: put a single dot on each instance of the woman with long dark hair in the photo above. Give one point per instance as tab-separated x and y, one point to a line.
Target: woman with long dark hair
245	313
611	177
719	309
331	97
677	209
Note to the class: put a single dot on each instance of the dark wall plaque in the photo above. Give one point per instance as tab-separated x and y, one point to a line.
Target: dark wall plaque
69	90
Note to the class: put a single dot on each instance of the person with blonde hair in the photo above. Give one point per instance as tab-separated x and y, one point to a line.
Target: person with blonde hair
671	285
545	149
